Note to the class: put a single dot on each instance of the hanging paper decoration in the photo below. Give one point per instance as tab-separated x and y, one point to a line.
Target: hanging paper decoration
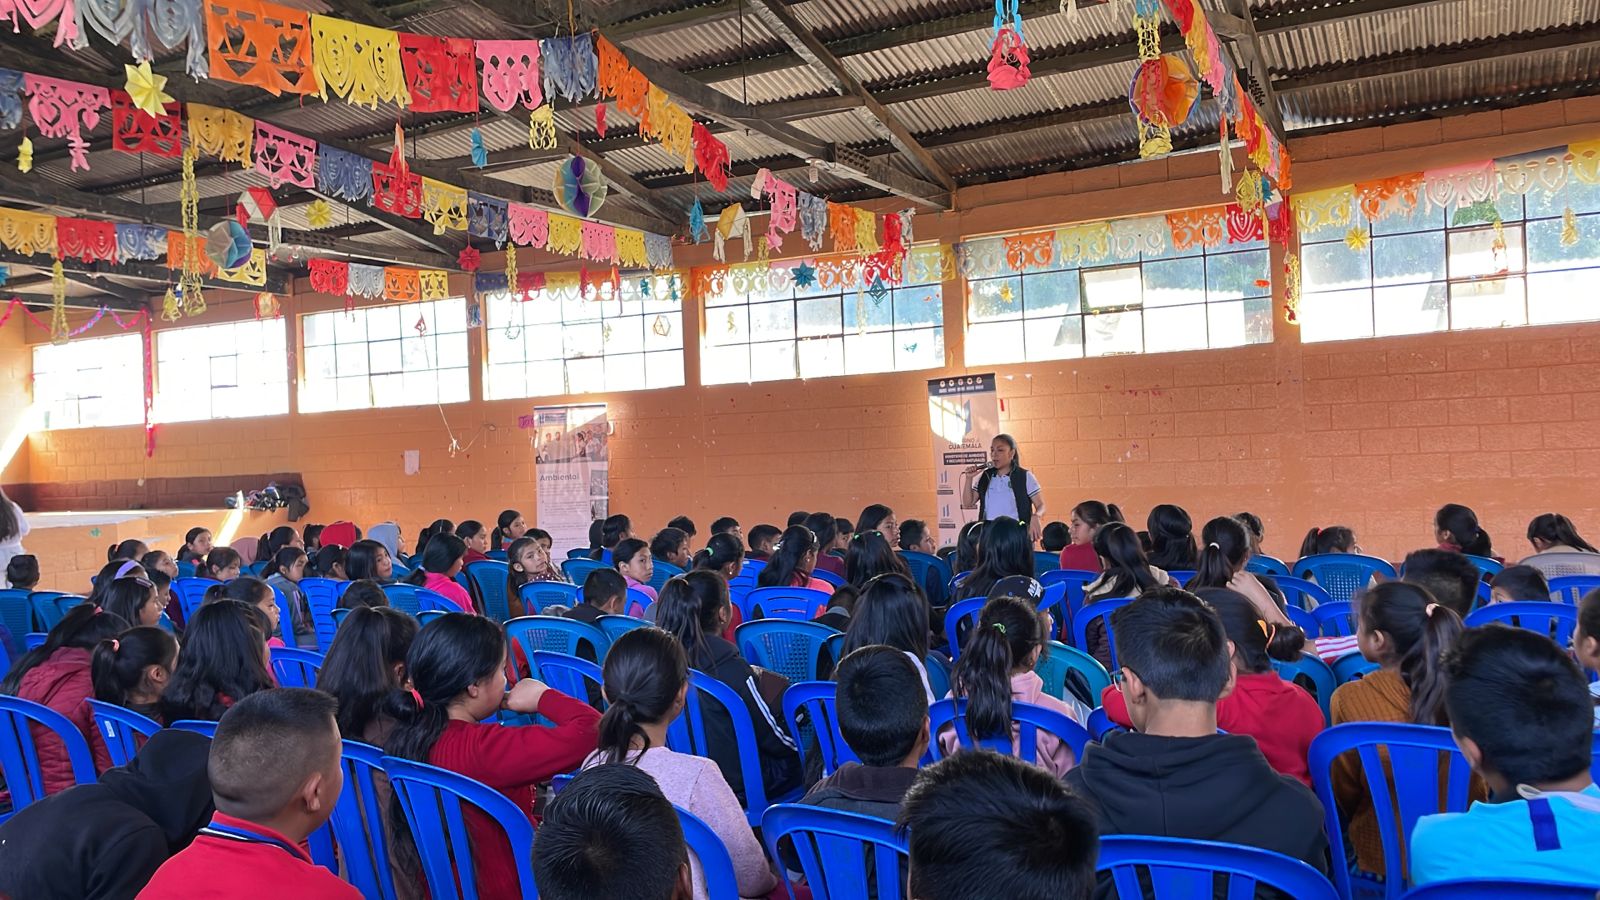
1030	251
62	14
1162	92
86	240
27	233
658	250
630	249
227	244
359	63
1243	226
711	157
599	242
1461	185
188	243
145	242
395	188
731	223
253	271
146	89
511	265
10	99
813	219
365	281
529	227
510	74
580	187
668	123
1546	169
566	235
330	276
1330	208
135	131
259	43
1356	238
175	23
1198	227
542	128
487	218
469	259
222	133
1584	158
319	214
1291	287
480	153
1132	237
171	310
66	109
444	206
401	285
25	155
1080	244
346	176
441	73
284	157
266	305
697	221
58	304
434	283
1008	55
256	204
842	225
1569	228
569	66
600	119
785	200
1388	196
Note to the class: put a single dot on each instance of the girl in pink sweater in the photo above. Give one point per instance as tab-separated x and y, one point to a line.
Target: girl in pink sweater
442	560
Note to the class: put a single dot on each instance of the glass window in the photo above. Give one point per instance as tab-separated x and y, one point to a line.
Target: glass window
89	382
403	354
570	338
222	371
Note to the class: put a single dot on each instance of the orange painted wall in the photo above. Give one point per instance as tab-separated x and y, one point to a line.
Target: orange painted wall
1374	434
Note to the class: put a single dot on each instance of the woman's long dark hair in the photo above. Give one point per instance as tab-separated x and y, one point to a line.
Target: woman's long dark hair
891	610
245	589
9	523
869	555
359	668
362	560
1227	548
871	518
270	543
1171	538
282	561
1126	568
124	597
515	579
128	549
220	558
1554	528
1461	524
689	608
442	553
119	663
1256	642
1008	631
1333	539
184	553
644	672
1093	512
968	544
109	574
328	558
221	662
721	550
824	526
780	570
498	537
1420	630
84	626
436	527
1006	551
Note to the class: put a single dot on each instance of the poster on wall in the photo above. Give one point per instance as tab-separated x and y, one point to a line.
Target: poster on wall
571	465
964	416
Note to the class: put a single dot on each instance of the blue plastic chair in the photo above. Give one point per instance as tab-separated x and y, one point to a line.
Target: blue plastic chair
1486	565
359	827
1028	719
198	726
789	648
5	657
1304	620
428	615
1496	889
1100	724
434	801
1594	769
616	626
1177	869
254	569
186	569
931	572
1416	755
536	596
571	675
1100	609
1336	618
797	603
1553	620
50	606
1353	667
191	592
1045	561
123	730
578	569
1342	575
19	755
750	568
1571	588
1321	675
637	603
1181	576
1075	580
578	553
322	595
553	634
1058	659
1266	565
339	616
1297	590
832	847
961	617
938	674
828	578
293	667
498	556
955	582
16	614
1056	602
402	596
716	864
285	616
34	639
688	735
819	700
662	572
433	600
490	578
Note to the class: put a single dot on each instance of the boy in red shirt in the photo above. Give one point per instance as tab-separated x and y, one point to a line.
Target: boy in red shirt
275	776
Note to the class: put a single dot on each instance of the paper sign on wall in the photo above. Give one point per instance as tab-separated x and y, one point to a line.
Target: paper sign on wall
964	416
413	461
572	469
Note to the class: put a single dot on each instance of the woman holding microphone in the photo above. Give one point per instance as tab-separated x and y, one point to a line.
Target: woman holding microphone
1005	488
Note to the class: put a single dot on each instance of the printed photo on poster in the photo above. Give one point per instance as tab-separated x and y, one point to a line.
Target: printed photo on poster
964	416
572	462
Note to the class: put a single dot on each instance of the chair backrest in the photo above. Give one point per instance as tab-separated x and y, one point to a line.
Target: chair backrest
428	615
498	556
1045	561
1296	591
828	578
1074	579
688	735
571	675
1422	759
22	724
1099	724
537	595
1336	618
1027	718
1266	565
16	613
191	593
938	673
616	626
123	730
750	568
1352	667
1056	602
427	600
1557	565
1500	889
637	602
716	864
796	603
1100	609
359	827
285	615
819	701
490	578
929	571
792	649
1177	869
662	572
578	553
959	619
256	568
1058	659
339	616
34	639
198	726
1181	576
322	595
1342	574
1320	673
293	667
434	801
833	846
1303	619
1571	588
579	569
1486	565
403	597
1553	620
553	634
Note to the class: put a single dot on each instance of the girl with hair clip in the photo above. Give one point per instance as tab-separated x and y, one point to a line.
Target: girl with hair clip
1087	518
1005	552
133	599
476	537
1254	528
457	672
133	668
891	610
1171	538
508	527
527	560
1124	573
284	572
196	545
694	608
1457	530
995	669
646	679
829	542
1333	539
57	674
330	562
224	660
222	564
1222	564
1400	627
437	526
109	574
442	561
128	549
792	562
278	538
369	560
1554	533
723	554
256	594
870	555
365	664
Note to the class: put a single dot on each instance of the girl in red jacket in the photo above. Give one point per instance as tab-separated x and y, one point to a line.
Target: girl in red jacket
57	674
457	668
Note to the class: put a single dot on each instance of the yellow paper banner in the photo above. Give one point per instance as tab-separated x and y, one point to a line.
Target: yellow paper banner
357	62
444	206
26	232
252	271
566	235
222	133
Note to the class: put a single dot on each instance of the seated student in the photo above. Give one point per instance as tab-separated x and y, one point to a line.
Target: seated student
1586	644
224	659
646	683
528	560
793	559
1333	539
1521	713
363	593
476	537
726	525
1254	528
830	543
134	599
58	675
366	663
614	530
633	562
1125	571
1448	577
436	527
798	517
1558	548
254	592
1087	518
159	561
196	544
723	554
22	572
221	564
1176	776
612	833
344	534
762	539
441	563
103	841
311	535
1029	838
869	555
457	668
892	610
685	525
604	593
128	549
330	563
369	560
386	535
163	584
1224	556
883	717
1518	583
1457	530
508	526
915	537
133	668
1054	538
284	572
671	546
1171	538
841	603
275	774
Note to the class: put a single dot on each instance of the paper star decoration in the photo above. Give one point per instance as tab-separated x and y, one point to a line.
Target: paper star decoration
1005	292
804	275
1356	238
144	87
318	214
25	155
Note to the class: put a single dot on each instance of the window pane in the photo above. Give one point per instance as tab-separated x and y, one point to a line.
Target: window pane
1562	296
377	358
1173	283
995	342
1057	338
993	299
1051	293
1484	252
1175	328
1335	315
1230	276
225	370
1119	288
1408	258
1546	252
1111	333
1487	304
1410	309
1333	266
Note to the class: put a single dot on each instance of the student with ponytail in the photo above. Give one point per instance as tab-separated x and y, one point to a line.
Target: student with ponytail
442	561
128	549
258	595
221	564
1456	528
457	669
1333	539
365	664
476	537
1552	533
133	599
1402	628
1224	552
133	668
284	571
1171	537
723	554
528	560
278	538
646	681
1124	572
510	526
1087	518
58	675
196	544
793	560
995	669
224	660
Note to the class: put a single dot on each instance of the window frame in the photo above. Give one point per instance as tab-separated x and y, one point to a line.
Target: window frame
159	409
133	404
430	348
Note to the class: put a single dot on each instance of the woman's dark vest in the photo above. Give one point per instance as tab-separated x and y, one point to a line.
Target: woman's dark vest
1019	489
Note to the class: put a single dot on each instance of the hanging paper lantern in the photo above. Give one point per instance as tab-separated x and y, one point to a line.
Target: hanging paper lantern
580	188
1008	60
1162	94
468	259
228	244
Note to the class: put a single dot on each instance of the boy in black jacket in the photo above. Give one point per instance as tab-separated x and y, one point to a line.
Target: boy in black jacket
883	717
1176	776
